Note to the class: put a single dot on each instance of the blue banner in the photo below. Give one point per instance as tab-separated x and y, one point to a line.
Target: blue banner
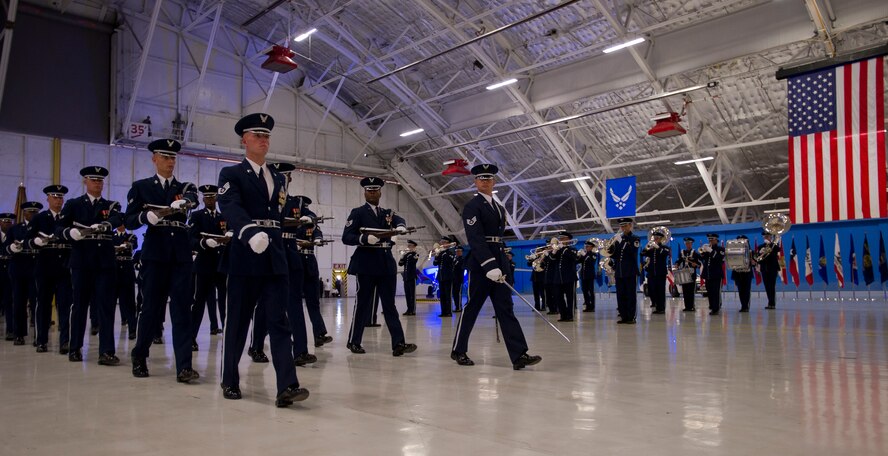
620	197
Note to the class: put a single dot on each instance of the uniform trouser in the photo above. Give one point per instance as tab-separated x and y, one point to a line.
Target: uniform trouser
554	297
295	313
657	292
371	288
770	280
313	305
713	292
6	298
688	292
93	288
588	286
126	294
269	293
24	291
744	287
627	297
481	288
410	293
205	297
539	295
49	286
568	303
456	292
445	288
162	280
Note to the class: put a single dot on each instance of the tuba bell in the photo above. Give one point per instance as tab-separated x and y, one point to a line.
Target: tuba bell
777	225
652	243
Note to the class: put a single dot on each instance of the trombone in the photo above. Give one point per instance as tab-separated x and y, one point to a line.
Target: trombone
437	249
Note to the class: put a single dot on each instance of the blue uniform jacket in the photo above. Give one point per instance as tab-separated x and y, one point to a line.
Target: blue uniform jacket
712	263
563	265
90	253
689	258
444	261
659	261
243	200
130	243
370	259
588	264
294	209
203	221
625	256
53	258
481	220
161	243
769	264
22	264
409	261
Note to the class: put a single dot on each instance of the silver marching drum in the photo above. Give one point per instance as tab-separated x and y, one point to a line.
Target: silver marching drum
737	255
683	276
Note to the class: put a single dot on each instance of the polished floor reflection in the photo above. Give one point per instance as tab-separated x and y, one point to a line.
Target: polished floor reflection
810	378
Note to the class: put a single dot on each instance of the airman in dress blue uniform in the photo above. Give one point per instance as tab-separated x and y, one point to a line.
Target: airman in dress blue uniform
444	262
485	221
7	219
659	254
625	264
166	258
124	245
374	266
743	280
564	262
53	274
310	232
251	196
22	267
408	261
770	268
459	277
588	264
209	283
87	221
689	258
713	257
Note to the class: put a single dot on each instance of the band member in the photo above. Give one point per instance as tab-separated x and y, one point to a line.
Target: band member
770	268
743	280
713	257
124	245
510	275
408	262
588	262
374	266
538	282
7	219
88	221
459	277
166	257
659	255
21	271
252	196
444	262
53	275
625	264
485	221
209	283
689	258
552	272
563	260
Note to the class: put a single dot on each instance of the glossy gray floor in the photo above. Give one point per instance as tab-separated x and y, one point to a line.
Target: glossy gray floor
810	378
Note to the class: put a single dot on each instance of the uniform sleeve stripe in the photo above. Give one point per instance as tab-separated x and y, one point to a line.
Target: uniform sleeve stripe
487	261
241	232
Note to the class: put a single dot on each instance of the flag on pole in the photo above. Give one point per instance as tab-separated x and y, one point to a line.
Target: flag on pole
781	260
756	270
822	263
794	264
883	260
837	143
868	275
809	265
837	264
853	263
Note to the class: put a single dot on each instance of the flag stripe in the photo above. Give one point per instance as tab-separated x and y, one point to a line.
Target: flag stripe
844	142
880	138
834	175
794	199
818	195
862	138
806	207
872	146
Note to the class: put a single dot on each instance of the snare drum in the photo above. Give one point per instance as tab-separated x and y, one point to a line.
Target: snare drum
737	255
683	276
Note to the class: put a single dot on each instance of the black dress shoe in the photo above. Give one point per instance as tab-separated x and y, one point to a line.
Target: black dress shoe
566	319
445	315
408	313
41	348
744	310
305	358
18	341
626	322
34	344
216	331
187	375
526	360
108	359
403	348
257	356
457	310
373	325
157	340
140	368
93	331
551	313
290	395
325	339
658	312
690	309
132	336
9	337
770	307
461	358
74	356
63	349
356	348
231	392
713	312
587	309
194	346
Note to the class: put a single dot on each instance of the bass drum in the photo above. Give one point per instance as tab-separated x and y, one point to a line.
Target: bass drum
737	255
683	276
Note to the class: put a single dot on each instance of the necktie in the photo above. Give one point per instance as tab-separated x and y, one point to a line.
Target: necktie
166	184
263	181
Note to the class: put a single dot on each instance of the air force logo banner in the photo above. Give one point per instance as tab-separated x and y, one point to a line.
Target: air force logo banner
621	197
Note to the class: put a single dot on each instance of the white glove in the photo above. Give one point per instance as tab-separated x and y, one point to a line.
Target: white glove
495	275
306	220
655	246
178	203
229	234
394	239
39	241
401	229
319	241
152	218
16	248
581	253
98	227
259	242
211	243
75	234
371	239
619	237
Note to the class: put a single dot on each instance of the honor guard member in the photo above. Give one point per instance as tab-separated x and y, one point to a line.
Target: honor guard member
713	257
485	221
53	274
563	261
444	262
87	221
659	255
689	257
209	283
538	282
310	232
769	267
459	277
252	196
21	271
374	266
408	262
6	221
588	261
124	245
625	256
743	280
510	277
166	257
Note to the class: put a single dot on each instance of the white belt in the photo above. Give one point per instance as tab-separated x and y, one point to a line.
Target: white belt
171	224
97	237
290	236
306	253
58	246
493	239
123	258
384	245
267	223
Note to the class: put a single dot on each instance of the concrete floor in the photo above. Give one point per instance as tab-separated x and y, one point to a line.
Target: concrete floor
807	379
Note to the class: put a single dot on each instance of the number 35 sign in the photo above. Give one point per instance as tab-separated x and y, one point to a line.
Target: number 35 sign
138	130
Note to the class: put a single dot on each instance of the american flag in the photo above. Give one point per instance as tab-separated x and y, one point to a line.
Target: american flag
837	143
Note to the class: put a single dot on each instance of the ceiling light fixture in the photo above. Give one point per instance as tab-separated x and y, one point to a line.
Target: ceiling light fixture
624	45
412	132
502	84
305	35
550	231
574	179
777	211
655	222
685	162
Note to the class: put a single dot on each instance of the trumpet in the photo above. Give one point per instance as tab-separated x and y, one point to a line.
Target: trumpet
777	225
437	249
608	247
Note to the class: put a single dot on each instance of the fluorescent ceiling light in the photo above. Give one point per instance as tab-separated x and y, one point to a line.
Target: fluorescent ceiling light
550	231
685	162
624	45
655	222
501	84
777	211
305	35
573	179
412	132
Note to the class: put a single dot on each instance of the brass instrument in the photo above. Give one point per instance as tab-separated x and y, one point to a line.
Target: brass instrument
653	244
777	225
437	249
607	247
